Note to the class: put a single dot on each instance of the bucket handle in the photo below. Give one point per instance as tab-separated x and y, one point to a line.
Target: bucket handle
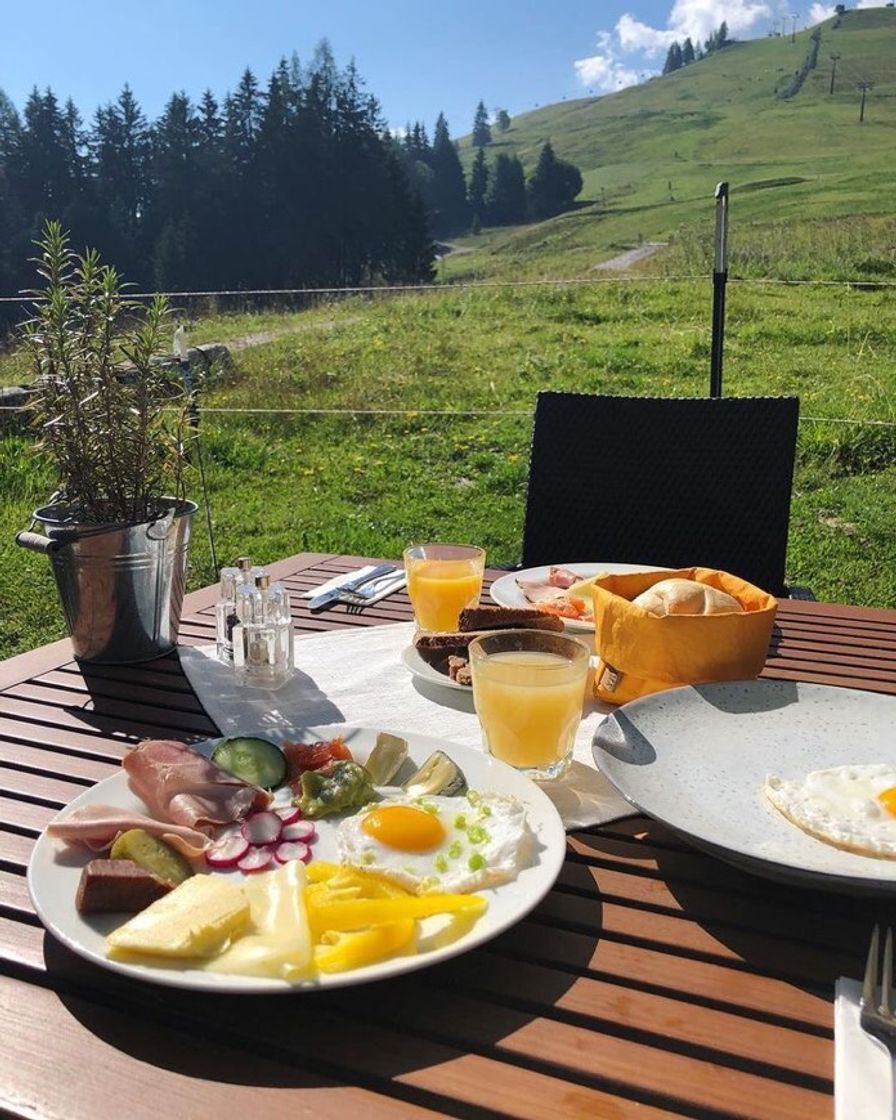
37	542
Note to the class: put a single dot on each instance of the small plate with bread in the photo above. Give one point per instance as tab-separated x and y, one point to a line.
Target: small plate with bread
442	658
561	590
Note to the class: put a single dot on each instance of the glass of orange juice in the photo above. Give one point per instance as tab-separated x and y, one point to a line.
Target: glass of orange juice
529	690
443	579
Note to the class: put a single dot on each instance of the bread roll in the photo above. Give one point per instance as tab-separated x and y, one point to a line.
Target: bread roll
685	596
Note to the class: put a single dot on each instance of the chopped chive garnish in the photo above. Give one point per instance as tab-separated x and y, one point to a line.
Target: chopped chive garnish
441	864
476	862
476	834
454	850
460	821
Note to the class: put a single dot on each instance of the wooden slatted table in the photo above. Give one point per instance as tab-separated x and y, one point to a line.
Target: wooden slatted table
653	980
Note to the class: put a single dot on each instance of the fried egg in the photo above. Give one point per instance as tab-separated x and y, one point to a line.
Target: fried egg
449	844
851	807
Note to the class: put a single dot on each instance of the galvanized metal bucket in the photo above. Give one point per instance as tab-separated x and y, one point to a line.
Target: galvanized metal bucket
121	586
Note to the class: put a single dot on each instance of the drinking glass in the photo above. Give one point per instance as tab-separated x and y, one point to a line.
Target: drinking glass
528	690
443	579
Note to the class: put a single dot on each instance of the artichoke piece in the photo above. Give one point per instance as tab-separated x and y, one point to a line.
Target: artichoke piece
342	785
386	758
438	775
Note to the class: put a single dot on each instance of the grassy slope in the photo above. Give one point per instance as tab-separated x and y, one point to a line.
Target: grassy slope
716	120
372	483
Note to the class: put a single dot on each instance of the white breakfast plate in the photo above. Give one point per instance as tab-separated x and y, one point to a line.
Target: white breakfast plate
696	758
507	593
55	869
421	669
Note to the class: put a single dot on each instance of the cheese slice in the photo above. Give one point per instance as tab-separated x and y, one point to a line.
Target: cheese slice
278	940
196	919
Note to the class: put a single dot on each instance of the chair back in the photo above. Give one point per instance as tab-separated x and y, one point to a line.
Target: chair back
674	482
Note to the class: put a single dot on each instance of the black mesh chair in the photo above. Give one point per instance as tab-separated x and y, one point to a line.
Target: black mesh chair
671	482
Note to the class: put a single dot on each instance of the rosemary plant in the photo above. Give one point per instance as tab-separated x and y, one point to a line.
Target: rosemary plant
108	416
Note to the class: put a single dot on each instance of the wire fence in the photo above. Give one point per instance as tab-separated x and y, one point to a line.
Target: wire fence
321	293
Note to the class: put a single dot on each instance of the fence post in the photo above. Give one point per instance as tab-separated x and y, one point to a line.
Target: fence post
719	280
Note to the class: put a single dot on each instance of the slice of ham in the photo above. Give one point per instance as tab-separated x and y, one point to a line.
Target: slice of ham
550	595
563	577
181	785
97	826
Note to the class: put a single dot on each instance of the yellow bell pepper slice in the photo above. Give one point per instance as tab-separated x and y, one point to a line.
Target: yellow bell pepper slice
343	951
357	913
351	882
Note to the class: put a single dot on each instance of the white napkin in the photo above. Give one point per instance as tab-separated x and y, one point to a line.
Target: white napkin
356	676
863	1068
385	586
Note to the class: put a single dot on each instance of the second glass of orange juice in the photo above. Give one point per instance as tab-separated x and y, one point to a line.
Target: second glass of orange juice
529	690
443	579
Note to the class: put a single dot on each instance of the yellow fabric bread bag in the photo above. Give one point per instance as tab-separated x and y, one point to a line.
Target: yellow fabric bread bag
641	651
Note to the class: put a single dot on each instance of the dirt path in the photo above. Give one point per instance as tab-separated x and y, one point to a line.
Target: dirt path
263	337
632	256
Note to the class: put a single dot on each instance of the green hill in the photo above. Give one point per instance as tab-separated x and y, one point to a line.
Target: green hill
652	154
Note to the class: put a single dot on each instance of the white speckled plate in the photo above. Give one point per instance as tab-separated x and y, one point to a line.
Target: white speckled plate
697	758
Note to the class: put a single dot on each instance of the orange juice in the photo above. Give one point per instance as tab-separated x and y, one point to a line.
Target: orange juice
443	579
529	701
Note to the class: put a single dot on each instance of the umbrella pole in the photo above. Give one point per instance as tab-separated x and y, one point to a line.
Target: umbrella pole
719	280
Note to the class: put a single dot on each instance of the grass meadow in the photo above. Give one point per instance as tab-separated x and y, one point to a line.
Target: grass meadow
424	420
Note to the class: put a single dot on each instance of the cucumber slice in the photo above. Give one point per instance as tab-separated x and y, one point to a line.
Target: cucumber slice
257	761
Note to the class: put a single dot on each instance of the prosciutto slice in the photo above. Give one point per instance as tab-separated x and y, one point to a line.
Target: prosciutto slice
550	595
181	785
97	826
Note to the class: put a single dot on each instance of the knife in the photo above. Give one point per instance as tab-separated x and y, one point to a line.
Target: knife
335	593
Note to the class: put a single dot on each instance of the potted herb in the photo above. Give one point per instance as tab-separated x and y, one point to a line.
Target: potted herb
108	417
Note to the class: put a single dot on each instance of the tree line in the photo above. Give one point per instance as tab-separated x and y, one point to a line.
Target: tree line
495	193
683	54
298	184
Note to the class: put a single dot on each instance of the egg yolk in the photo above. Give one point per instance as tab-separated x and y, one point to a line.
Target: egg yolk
887	798
404	827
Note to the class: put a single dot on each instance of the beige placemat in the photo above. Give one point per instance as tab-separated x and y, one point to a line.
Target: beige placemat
357	677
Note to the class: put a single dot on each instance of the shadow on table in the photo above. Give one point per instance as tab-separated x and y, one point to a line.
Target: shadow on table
358	1035
801	934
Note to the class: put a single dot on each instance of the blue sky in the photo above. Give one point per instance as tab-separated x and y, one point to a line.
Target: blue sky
417	57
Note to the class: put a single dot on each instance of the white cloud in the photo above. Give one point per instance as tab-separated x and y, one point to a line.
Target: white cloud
870	4
637	36
818	12
606	72
699	18
612	67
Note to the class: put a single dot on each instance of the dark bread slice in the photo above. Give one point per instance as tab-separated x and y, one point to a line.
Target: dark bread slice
505	618
435	649
117	885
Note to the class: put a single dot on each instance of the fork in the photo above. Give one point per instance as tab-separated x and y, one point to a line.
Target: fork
878	1019
359	598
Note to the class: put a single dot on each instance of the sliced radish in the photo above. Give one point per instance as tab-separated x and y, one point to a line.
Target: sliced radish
256	859
289	814
284	853
227	852
300	830
262	828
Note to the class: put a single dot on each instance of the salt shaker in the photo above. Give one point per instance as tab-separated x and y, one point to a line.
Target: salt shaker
262	639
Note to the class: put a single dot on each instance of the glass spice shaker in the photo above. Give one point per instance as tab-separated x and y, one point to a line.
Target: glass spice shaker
263	637
225	613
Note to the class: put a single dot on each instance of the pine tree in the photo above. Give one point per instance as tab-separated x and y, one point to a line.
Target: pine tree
506	200
482	134
478	188
553	185
502	120
687	52
449	211
673	59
